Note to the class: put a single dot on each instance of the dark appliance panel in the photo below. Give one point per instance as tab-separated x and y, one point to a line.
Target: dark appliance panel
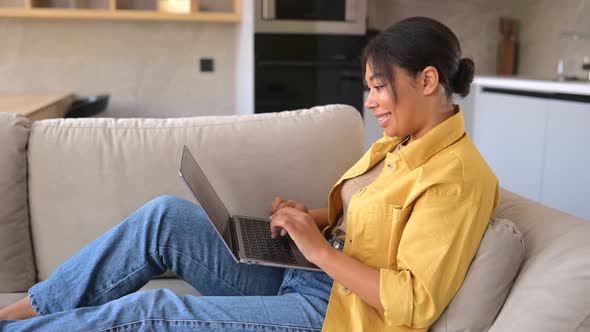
324	10
301	71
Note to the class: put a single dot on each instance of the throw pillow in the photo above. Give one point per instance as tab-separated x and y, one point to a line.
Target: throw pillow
488	281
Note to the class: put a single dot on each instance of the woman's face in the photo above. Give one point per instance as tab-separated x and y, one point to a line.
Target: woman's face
399	116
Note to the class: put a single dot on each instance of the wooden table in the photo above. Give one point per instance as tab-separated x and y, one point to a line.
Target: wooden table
37	106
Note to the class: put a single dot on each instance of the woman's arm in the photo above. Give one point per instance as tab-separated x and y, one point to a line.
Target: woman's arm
438	243
320	216
359	278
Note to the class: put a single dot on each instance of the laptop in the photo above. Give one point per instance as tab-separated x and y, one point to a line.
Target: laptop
248	239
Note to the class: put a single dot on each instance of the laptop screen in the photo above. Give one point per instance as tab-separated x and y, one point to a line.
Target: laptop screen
204	193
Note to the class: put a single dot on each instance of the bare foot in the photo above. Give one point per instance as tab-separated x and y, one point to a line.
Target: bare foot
19	310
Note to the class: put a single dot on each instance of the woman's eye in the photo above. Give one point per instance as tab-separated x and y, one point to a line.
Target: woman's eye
378	87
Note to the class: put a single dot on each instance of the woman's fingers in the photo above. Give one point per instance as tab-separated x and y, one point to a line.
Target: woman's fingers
277	224
283	221
299	206
301	228
285	204
280	203
275	204
284	210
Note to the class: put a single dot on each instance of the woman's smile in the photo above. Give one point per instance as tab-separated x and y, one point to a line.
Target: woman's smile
383	118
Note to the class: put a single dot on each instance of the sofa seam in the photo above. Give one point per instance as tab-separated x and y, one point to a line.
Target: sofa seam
581	322
204	125
29	214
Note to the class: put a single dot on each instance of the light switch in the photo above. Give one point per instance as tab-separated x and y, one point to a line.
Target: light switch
207	65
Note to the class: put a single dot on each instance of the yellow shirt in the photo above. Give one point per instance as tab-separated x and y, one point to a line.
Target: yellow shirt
420	223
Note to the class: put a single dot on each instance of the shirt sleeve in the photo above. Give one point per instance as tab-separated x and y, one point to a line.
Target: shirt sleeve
438	244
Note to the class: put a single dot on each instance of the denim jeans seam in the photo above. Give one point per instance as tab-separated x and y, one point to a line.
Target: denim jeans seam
287	277
35	303
203	266
115	284
201	321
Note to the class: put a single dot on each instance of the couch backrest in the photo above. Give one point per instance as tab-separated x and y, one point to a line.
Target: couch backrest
552	290
86	175
17	268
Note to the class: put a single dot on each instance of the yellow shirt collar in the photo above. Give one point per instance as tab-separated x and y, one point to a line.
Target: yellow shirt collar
420	150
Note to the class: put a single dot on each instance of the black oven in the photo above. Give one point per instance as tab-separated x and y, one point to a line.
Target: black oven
324	10
300	71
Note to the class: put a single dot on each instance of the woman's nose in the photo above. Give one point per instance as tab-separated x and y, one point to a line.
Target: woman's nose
370	101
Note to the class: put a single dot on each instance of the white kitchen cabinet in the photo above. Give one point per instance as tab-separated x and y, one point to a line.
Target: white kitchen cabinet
509	131
566	173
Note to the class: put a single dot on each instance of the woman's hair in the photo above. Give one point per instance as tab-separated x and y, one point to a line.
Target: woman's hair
414	44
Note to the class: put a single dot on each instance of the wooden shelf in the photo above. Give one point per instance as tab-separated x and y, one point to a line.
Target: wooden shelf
29	11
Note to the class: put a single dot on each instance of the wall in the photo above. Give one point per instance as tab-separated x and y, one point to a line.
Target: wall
542	23
150	69
476	23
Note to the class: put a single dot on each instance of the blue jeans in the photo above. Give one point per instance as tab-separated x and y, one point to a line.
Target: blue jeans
96	289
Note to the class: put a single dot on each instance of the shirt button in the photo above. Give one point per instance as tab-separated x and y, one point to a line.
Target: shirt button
344	291
392	165
336	245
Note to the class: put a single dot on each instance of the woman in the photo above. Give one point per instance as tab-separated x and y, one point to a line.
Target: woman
400	231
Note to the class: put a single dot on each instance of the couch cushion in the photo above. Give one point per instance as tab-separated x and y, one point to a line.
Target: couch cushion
17	268
10	298
178	286
552	290
488	281
88	174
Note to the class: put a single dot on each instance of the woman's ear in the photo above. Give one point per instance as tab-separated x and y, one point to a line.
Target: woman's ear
430	80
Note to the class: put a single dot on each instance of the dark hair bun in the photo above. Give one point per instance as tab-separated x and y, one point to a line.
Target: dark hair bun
462	80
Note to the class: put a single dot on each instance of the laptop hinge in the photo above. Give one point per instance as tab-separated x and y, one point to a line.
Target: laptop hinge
233	236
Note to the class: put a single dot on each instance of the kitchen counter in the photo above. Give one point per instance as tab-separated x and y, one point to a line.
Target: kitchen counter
532	85
533	134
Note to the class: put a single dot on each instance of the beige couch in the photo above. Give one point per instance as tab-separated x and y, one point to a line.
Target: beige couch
65	182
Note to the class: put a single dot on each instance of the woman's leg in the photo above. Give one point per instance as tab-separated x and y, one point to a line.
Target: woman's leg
19	310
301	307
166	233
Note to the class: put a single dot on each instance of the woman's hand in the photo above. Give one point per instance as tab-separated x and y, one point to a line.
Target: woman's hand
302	229
280	203
362	279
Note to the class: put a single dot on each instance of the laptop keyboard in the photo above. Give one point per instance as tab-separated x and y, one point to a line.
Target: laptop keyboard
260	245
